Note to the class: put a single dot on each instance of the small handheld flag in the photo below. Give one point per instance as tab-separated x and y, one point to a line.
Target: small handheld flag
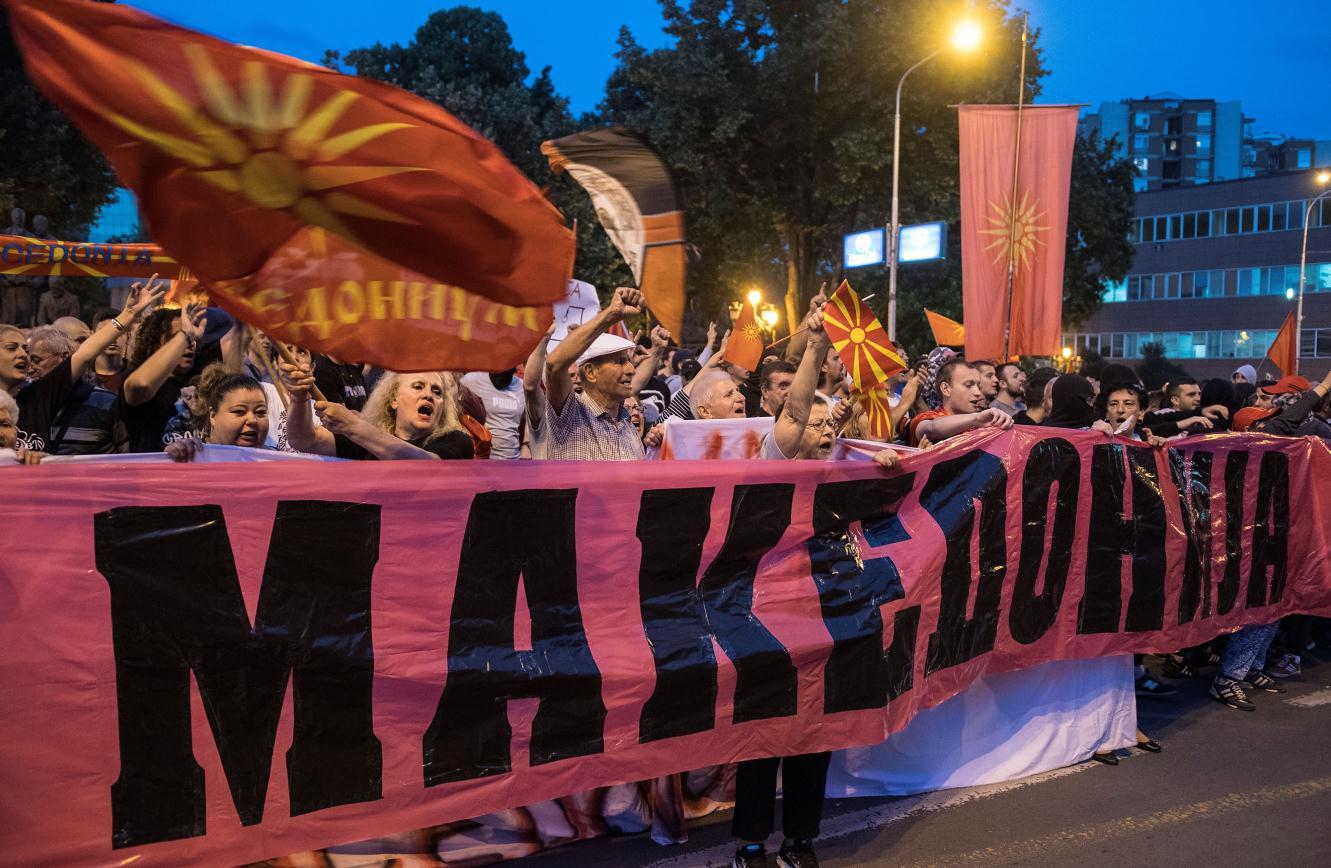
859	339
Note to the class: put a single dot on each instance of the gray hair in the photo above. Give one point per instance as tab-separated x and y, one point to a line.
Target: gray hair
703	387
8	403
55	340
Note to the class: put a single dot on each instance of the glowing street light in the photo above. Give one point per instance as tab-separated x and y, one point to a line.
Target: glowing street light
755	297
770	316
1067	352
965	38
1323	177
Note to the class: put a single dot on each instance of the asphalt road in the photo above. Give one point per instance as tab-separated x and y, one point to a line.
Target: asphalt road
1230	787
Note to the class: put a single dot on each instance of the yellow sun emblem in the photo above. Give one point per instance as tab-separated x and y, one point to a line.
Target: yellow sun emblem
1016	230
271	149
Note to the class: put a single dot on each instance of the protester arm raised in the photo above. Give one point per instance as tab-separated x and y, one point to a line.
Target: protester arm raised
142	297
625	303
147	378
788	429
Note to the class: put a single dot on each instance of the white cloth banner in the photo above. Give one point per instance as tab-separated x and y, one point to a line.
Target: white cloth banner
211	454
1003	727
741	439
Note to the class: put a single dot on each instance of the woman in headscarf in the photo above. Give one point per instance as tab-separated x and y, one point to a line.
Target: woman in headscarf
1073	403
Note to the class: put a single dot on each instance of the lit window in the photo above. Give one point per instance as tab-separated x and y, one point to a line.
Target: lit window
1141	143
1142	164
1204	168
1140	185
1203	120
1143	120
1305	158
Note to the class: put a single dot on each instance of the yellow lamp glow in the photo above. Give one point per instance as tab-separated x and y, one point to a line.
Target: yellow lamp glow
770	316
966	36
1323	177
755	297
1067	352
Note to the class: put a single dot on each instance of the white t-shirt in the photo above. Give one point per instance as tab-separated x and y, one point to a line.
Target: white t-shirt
277	419
503	413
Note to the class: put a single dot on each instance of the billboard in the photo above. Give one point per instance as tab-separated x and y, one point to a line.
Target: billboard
866	248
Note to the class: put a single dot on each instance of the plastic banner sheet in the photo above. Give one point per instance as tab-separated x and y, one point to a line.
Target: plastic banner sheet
230	662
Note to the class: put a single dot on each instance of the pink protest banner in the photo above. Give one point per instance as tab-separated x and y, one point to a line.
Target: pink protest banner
225	663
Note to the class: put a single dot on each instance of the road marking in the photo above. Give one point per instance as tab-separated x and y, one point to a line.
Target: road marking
1098	833
883	815
1312	700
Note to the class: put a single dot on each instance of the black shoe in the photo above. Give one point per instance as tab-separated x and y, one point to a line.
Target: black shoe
1148	686
1231	693
750	856
1212	658
1259	680
796	854
1109	759
1176	668
1150	746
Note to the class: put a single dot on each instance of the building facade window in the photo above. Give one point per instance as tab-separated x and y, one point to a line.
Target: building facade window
1142	120
1305	158
1203	120
1142	164
1212	344
1141	143
1203	143
1274	280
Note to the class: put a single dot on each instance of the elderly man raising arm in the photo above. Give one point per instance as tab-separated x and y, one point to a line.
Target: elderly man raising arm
593	425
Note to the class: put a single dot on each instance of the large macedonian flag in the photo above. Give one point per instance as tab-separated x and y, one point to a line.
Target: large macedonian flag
233	151
859	339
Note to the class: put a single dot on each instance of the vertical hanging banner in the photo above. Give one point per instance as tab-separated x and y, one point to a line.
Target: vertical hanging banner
637	202
221	664
232	150
1026	227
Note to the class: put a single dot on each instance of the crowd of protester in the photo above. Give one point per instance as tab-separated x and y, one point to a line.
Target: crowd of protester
176	379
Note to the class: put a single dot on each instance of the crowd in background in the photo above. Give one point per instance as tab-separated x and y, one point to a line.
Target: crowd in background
152	377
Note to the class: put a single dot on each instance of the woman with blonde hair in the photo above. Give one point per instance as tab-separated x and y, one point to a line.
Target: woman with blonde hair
407	416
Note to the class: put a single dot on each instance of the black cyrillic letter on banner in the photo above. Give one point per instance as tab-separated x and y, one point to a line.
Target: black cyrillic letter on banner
949	496
851	588
1270	532
1050	461
176	607
510	535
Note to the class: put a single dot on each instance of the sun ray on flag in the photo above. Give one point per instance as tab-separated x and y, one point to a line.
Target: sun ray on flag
849	323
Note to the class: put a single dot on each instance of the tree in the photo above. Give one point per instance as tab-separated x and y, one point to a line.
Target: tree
463	59
799	150
46	165
1100	211
1156	370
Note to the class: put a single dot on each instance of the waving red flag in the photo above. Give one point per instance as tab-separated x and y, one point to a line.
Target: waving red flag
744	348
1026	227
233	151
860	339
1284	351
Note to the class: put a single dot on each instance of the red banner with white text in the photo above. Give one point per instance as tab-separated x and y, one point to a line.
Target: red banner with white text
225	663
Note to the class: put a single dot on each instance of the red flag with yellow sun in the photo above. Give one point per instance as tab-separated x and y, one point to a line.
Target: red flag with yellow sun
233	151
878	424
859	339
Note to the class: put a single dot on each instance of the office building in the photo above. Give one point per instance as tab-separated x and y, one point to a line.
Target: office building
1178	142
1216	272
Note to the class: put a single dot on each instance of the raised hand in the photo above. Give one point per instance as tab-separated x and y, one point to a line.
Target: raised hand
625	303
711	333
336	417
660	338
143	297
193	321
299	380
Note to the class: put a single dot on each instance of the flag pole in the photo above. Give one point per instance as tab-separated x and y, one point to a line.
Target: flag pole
1012	205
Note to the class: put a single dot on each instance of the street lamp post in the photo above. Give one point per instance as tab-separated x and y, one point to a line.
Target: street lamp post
1322	178
964	38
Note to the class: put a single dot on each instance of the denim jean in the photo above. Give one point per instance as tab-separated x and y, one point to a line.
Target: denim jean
1247	649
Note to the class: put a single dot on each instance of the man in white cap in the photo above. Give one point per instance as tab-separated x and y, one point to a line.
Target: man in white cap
593	425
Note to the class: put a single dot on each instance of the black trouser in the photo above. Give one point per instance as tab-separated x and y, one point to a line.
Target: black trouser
803	779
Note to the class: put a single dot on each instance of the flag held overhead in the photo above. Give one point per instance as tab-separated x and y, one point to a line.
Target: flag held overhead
636	201
947	332
233	151
860	339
